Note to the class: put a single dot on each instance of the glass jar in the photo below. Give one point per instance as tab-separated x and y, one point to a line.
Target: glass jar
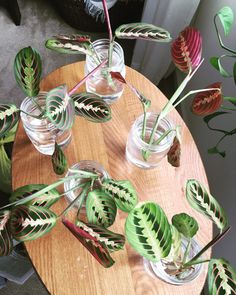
99	82
164	269
135	146
42	132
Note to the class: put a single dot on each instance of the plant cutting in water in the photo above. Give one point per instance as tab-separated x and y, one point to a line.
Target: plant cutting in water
29	215
210	104
149	232
60	104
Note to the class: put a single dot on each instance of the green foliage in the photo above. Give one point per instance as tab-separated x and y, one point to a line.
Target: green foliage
6	244
9	116
176	244
226	17
59	162
185	224
216	63
5	171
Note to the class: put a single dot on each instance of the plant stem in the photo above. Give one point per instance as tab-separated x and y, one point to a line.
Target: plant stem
187	251
104	3
36	117
37	105
82	197
110	52
159	140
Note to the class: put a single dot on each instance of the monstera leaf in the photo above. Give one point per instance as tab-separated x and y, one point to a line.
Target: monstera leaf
60	108
142	31
186	50
148	231
185	224
31	222
204	203
221	277
100	208
9	116
91	243
59	161
46	200
111	240
174	153
28	70
92	107
6	243
207	102
123	193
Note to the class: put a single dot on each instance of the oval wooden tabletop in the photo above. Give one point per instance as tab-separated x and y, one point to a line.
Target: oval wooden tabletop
64	265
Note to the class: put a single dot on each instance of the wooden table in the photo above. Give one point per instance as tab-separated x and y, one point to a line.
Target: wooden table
64	265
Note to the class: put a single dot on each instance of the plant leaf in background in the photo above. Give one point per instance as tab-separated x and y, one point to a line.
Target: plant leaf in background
123	193
148	231
60	108
204	203
9	116
221	277
28	70
46	200
73	37
59	162
5	171
92	107
31	222
185	224
91	243
111	240
216	63
186	50
142	31
174	153
205	103
230	99
100	208
226	17
6	244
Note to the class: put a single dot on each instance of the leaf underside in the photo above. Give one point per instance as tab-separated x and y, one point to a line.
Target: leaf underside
174	153
6	243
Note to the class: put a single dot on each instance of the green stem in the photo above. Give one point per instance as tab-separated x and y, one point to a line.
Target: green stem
159	140
37	105
36	117
187	251
186	265
110	52
82	198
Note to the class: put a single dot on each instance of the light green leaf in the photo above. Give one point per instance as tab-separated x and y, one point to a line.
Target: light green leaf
176	244
226	17
185	224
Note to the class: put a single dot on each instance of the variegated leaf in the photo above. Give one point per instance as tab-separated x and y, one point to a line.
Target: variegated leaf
174	153
185	224
100	208
59	161
6	244
31	222
203	202
186	50
111	240
148	231
221	278
46	200
207	102
28	70
9	116
73	37
60	108
123	193
142	31
92	107
91	243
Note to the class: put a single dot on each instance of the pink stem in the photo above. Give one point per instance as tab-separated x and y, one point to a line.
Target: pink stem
107	19
86	77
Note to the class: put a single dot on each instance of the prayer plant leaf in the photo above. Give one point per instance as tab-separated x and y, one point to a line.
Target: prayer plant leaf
226	17
100	208
6	243
31	222
5	171
203	202
111	240
59	162
142	31
90	242
207	102
186	50
148	231
216	63
73	37
221	277
9	116
123	193
174	153
45	200
185	224
60	108
176	244
28	70
92	107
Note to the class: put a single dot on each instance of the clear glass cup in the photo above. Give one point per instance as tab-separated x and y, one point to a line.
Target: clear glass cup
135	145
99	82
41	132
164	269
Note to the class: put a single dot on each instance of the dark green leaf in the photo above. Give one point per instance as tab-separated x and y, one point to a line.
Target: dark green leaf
215	150
69	46
226	17
185	224
231	99
6	244
9	116
216	63
59	161
5	171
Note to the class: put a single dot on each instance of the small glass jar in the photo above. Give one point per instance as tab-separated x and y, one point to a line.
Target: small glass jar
99	82
41	132
164	269
135	146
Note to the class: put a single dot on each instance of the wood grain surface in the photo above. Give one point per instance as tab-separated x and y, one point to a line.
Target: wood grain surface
65	267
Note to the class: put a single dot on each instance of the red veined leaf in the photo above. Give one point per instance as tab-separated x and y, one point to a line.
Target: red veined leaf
118	76
73	37
9	116
174	153
6	244
207	102
97	249
186	50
